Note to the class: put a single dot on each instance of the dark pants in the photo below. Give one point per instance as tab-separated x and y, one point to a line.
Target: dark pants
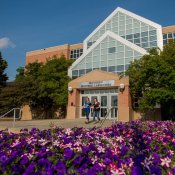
96	114
87	111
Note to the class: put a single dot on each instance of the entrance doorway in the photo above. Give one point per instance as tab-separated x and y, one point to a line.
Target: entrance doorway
108	99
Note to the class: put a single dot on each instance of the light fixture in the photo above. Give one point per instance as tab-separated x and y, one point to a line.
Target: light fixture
121	87
70	89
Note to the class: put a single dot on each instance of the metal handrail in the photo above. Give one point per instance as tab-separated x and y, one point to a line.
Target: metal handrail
14	115
9	112
107	115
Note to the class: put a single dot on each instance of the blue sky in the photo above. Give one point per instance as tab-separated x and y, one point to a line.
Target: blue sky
35	24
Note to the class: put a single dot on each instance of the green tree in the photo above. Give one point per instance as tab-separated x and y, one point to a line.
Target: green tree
3	76
152	79
53	82
41	86
20	73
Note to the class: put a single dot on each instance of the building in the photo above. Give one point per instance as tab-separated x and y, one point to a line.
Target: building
73	51
168	34
121	38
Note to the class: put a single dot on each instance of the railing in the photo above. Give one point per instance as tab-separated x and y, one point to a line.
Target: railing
107	115
14	115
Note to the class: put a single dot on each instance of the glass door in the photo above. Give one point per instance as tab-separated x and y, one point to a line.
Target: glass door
114	106
103	105
83	98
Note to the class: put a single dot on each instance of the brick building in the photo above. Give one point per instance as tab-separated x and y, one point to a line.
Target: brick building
73	51
121	38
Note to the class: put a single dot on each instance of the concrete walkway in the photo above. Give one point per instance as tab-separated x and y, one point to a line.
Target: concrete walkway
45	124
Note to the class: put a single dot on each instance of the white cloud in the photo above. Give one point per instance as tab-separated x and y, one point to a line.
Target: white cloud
6	42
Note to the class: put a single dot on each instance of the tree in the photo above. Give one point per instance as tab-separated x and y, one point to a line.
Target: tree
3	76
152	79
53	82
41	86
20	73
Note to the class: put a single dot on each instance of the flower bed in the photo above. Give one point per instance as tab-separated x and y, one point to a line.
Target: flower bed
124	148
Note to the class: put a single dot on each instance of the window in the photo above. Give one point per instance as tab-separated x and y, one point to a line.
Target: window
111	68
120	68
170	35
136	35
76	53
88	70
112	49
152	32
81	72
104	68
128	37
144	34
165	36
75	72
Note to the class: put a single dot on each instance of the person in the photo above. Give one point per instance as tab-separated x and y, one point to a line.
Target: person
86	107
96	109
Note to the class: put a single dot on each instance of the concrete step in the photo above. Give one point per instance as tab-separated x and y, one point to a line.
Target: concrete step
8	119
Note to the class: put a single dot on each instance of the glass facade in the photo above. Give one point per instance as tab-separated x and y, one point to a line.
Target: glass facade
110	55
168	37
129	28
109	52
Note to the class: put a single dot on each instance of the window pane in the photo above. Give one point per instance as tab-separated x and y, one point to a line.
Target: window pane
103	100
112	50
88	70
164	42
104	68
129	36
153	44
136	40
120	68
144	45
152	38
75	72
114	100
152	32
111	68
81	71
136	35
144	34
145	39
170	35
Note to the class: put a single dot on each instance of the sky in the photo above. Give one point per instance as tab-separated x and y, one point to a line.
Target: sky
27	25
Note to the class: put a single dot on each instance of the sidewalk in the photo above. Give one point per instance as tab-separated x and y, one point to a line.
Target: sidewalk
44	124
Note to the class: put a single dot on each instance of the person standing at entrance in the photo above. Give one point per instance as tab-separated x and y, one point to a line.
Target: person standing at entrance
86	107
96	109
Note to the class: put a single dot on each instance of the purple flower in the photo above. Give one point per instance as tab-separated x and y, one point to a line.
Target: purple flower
24	160
29	169
68	153
155	170
78	160
3	158
136	170
107	161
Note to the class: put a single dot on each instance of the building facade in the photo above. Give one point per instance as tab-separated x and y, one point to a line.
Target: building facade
168	34
73	51
120	39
